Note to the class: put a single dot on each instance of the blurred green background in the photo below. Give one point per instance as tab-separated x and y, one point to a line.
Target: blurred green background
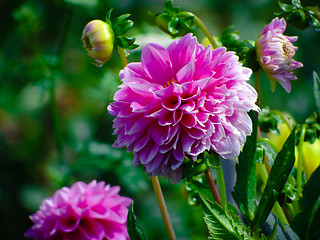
40	48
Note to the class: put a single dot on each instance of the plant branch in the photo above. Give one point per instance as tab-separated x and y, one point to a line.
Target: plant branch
123	57
221	184
212	186
163	208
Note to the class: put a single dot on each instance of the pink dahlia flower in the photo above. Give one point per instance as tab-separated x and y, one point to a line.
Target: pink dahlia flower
93	211
275	52
179	102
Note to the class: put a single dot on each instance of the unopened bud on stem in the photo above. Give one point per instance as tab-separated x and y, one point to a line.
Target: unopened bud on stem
98	40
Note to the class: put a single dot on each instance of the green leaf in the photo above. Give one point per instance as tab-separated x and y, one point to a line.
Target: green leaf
306	223
296	3
200	188
124	42
173	26
168	7
134	230
222	224
271	227
133	46
285	7
313	21
244	192
121	18
108	17
122	27
259	155
276	180
316	89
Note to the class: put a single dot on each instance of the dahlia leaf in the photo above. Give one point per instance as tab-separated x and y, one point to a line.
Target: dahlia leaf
222	224
286	7
173	26
313	21
274	230
306	223
134	230
168	7
108	16
316	84
122	27
277	178
200	188
244	192
121	18
296	3
125	42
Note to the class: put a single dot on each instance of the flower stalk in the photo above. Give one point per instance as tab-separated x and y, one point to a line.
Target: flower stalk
56	122
221	184
206	32
212	186
123	57
257	85
163	208
202	27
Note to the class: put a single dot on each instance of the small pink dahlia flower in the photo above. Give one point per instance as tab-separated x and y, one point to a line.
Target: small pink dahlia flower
93	211
275	52
179	102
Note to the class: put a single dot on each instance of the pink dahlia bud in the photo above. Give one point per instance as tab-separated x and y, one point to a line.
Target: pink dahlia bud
84	211
275	53
98	40
181	101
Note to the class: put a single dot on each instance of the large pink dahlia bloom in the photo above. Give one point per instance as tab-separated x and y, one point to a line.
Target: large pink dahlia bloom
275	52
181	101
93	211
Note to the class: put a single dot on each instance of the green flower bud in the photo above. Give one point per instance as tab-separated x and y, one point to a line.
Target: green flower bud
98	40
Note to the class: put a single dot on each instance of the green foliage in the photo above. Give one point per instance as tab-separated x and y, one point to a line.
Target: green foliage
274	230
245	49
244	192
222	224
316	89
120	26
268	122
299	16
306	223
200	188
134	230
277	178
174	22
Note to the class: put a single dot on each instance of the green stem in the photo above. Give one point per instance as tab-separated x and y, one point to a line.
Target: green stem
163	208
123	57
257	85
300	159
202	27
221	184
52	92
212	186
56	122
206	32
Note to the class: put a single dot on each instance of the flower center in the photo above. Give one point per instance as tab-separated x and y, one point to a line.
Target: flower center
169	83
87	44
288	49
